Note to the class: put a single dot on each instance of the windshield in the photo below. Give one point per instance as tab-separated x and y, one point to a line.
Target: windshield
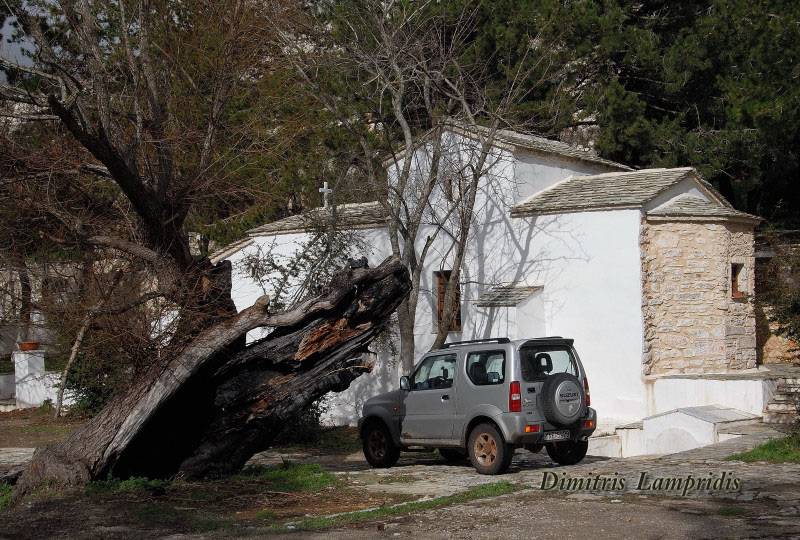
538	363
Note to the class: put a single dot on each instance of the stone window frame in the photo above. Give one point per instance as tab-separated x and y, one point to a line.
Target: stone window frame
737	278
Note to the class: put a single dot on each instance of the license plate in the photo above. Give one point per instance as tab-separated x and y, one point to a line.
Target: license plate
556	435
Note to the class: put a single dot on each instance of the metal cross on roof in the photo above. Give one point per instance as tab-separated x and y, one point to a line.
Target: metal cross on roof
325	191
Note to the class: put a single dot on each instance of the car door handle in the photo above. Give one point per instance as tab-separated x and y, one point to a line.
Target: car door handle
445	397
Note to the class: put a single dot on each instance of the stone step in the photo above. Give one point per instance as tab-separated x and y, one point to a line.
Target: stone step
7	405
790	380
789	406
789	388
786	397
780	417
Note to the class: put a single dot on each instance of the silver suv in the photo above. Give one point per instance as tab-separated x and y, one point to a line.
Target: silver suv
482	399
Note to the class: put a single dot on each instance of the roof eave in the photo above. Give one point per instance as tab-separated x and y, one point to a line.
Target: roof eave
504	142
754	220
572	210
230	250
314	227
706	187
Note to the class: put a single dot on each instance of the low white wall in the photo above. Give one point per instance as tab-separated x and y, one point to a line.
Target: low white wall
633	442
676	432
35	388
748	395
607	446
344	408
34	385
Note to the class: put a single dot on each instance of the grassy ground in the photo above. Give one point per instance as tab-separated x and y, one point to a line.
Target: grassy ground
5	495
786	450
480	492
30	428
256	501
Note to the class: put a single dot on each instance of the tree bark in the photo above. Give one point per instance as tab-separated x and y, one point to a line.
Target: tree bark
26	309
216	403
73	354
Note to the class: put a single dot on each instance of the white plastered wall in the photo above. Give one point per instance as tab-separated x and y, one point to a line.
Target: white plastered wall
535	171
588	265
343	407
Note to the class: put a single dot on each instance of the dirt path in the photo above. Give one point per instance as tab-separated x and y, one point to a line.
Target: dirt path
531	515
29	428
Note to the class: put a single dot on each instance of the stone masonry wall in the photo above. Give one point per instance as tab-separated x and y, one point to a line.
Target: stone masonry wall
692	324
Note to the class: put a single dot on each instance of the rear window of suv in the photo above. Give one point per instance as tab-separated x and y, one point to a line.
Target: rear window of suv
538	363
486	367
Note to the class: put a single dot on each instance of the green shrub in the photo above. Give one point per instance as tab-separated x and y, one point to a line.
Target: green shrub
6	491
304	427
6	365
45	409
267	515
94	381
778	284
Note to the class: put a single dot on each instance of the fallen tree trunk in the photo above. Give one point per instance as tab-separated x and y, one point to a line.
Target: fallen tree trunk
216	403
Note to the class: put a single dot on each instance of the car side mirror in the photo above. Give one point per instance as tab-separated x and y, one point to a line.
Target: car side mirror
405	383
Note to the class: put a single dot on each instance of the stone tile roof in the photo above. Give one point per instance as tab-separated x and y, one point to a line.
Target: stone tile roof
506	295
606	191
689	206
354	216
538	144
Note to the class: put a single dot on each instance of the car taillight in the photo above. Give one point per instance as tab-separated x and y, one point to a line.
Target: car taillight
514	398
586	387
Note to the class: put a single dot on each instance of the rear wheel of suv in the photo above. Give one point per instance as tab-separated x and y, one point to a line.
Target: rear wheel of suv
567	452
487	450
379	449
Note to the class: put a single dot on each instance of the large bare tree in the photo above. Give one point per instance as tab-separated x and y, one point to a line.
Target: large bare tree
399	75
165	101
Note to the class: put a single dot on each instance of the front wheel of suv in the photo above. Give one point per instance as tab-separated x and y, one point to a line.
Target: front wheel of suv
379	449
487	450
567	452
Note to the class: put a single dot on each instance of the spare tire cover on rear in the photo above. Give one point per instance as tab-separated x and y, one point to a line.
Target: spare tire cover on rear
563	398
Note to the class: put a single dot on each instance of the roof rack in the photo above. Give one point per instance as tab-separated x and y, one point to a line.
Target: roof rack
549	340
488	340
